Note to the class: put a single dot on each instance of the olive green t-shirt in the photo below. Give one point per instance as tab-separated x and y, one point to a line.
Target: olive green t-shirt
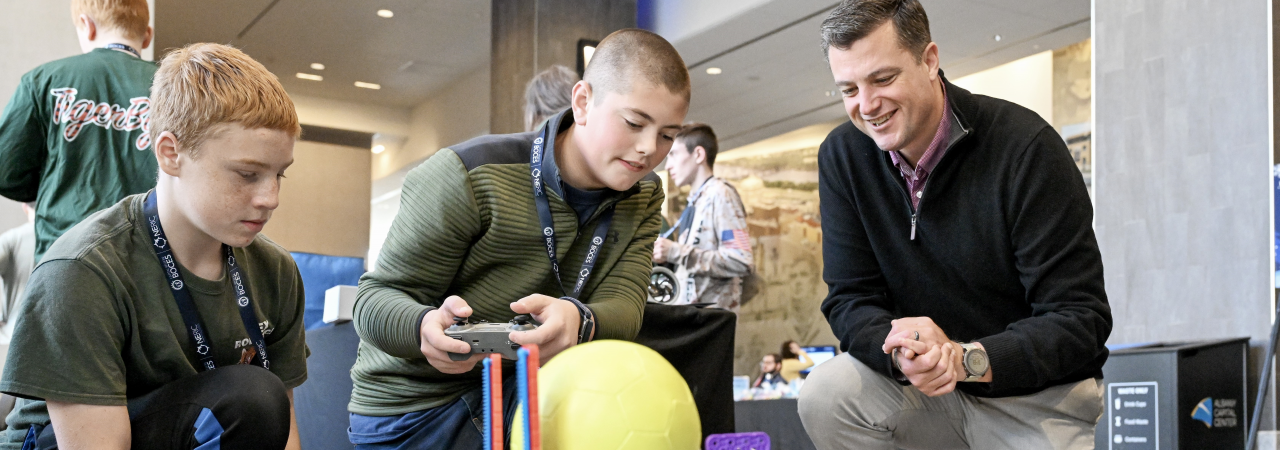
76	138
100	325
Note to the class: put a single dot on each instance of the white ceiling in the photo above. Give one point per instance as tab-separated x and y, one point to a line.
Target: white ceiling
774	79
426	45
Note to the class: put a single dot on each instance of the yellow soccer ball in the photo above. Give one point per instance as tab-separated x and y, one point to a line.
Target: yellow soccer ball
607	395
517	429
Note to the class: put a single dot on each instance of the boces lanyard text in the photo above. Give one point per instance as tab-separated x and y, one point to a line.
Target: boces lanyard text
123	48
536	163
191	316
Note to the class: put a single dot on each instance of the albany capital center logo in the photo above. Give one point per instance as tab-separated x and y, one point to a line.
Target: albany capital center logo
1219	413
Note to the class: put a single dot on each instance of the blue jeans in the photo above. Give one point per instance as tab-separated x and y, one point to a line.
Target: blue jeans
454	426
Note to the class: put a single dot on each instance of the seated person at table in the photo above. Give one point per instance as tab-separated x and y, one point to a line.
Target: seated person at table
769	368
166	321
558	224
794	360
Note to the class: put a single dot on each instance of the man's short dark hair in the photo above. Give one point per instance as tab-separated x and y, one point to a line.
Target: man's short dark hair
855	19
696	135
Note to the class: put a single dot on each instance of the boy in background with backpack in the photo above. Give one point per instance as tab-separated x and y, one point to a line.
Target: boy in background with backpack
713	251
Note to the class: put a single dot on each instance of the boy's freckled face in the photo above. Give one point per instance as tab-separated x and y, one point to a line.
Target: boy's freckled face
232	186
630	133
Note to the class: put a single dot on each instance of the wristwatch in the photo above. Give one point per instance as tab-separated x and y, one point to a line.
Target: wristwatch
587	323
975	361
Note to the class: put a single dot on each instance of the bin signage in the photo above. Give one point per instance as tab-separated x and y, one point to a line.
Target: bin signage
1131	416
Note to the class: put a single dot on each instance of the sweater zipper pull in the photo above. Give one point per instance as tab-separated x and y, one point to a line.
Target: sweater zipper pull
913	226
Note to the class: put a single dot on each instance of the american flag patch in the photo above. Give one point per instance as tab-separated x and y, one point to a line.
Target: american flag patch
735	239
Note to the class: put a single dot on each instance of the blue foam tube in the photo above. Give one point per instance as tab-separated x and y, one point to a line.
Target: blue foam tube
488	425
522	386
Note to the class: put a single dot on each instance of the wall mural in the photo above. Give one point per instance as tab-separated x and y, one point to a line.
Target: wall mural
1072	95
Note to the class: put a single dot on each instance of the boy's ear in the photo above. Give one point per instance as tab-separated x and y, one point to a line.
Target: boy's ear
86	24
581	102
146	39
700	155
166	150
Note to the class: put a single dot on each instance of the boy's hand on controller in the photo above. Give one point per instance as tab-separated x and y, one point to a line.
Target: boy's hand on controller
559	329
436	345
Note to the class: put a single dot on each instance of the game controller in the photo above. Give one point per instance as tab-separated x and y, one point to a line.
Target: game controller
488	337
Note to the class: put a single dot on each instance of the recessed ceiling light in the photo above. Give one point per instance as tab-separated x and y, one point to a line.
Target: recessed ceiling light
317	66
713	71
379	148
308	76
386	13
361	84
997	38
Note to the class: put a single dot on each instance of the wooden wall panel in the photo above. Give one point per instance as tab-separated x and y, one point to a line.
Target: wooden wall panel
531	35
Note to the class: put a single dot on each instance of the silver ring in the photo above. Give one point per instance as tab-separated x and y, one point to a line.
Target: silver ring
917	336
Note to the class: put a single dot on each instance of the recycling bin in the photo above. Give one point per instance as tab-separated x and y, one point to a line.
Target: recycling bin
1180	395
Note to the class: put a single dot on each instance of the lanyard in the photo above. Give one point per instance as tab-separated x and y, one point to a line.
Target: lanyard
123	47
187	306
686	217
536	163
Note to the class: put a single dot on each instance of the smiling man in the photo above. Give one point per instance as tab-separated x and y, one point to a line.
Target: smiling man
964	278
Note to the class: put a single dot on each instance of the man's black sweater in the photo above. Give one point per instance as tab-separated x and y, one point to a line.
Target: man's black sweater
1004	251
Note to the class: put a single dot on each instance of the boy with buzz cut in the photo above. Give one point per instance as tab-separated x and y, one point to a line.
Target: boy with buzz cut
76	135
557	223
166	321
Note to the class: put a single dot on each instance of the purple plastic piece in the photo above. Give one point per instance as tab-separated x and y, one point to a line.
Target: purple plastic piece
755	440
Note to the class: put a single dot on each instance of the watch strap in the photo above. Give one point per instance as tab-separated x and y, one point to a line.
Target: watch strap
964	362
587	324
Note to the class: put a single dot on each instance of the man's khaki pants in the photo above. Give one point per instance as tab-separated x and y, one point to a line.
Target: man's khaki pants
846	405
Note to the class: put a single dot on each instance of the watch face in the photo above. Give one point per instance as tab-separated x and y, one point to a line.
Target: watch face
975	361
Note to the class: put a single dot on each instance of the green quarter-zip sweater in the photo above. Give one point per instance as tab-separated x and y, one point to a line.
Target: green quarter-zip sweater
468	226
